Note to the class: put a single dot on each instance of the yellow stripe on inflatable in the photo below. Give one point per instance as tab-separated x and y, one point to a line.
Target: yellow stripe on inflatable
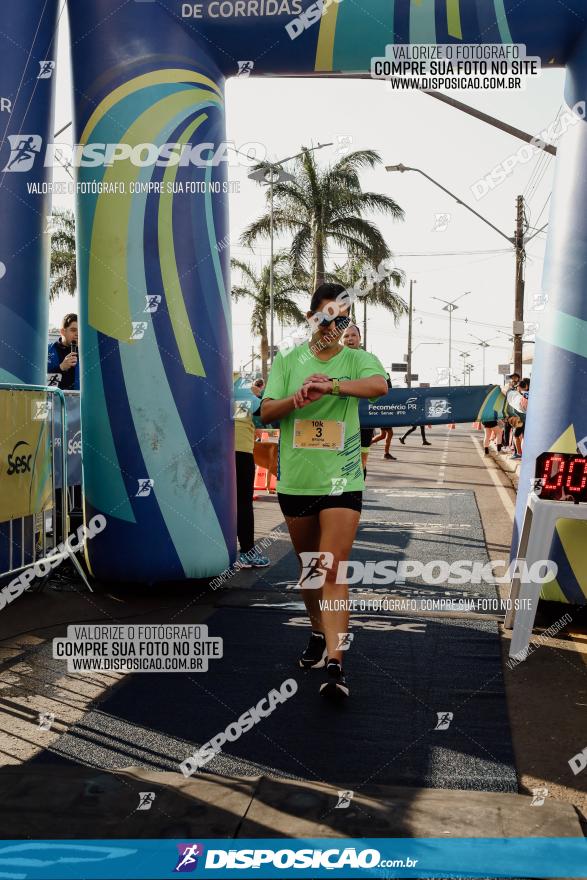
453	18
325	49
157	77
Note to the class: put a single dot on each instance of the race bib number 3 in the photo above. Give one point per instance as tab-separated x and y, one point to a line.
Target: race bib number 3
318	434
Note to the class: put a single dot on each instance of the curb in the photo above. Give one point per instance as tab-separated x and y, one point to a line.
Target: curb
510	468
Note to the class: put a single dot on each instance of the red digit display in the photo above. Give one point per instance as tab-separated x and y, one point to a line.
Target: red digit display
553	472
561	476
577	476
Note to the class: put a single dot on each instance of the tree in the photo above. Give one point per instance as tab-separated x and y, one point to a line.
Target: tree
255	286
359	274
63	268
324	207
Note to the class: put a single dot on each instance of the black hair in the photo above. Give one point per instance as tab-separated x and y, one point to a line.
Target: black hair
328	292
524	383
69	319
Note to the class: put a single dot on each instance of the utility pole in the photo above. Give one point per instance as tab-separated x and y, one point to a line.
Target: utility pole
409	373
520	284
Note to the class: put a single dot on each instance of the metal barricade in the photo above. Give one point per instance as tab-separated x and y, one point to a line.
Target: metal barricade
32	533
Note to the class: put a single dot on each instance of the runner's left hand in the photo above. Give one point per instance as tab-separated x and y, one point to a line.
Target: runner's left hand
314	390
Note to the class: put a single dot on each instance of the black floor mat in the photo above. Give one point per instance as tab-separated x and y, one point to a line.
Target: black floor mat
404	673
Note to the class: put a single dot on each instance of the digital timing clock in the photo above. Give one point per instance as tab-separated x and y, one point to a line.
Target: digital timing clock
561	476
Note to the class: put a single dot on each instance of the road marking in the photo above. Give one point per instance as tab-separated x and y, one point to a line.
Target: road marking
443	461
501	490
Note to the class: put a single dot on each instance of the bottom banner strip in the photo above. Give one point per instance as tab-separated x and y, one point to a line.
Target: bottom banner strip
282	857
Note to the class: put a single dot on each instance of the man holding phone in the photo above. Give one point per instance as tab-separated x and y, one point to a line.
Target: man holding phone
63	358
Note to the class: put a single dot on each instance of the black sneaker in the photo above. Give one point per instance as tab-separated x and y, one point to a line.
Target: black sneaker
335	687
314	657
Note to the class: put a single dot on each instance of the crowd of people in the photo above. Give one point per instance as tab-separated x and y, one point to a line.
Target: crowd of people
506	429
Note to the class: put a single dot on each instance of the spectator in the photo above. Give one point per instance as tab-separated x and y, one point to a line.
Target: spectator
63	357
511	387
425	442
352	339
244	444
493	430
386	433
519	402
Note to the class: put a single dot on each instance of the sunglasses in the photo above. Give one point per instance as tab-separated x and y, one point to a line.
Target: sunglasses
341	322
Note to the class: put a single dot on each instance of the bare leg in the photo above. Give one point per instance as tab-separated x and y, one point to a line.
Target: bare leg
338	527
304	532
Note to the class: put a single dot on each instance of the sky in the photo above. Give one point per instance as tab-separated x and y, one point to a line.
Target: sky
440	245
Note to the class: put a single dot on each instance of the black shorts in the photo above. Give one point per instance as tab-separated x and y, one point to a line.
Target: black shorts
366	437
519	432
489	424
310	505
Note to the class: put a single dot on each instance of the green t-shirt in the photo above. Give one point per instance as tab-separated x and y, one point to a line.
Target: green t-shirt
319	471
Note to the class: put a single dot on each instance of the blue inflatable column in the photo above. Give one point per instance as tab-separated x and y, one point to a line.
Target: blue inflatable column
557	413
27	74
158	447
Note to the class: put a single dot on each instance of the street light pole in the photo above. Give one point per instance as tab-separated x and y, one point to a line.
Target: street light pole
450	307
464	355
517	240
484	345
410	320
459	201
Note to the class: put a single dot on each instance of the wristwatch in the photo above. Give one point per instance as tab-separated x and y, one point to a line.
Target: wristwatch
335	387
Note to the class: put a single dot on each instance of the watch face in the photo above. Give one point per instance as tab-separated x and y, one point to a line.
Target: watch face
561	476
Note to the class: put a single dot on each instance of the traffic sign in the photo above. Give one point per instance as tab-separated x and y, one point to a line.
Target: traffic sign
399	368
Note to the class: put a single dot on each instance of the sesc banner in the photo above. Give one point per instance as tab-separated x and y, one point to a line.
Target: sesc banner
74	441
433	406
25	454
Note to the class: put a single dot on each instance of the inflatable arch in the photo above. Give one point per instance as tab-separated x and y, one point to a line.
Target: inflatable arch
154	284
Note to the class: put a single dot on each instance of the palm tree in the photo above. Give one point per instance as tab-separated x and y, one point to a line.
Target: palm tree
357	273
63	269
324	207
255	286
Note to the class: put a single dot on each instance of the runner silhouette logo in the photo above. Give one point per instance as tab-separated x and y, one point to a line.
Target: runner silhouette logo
189	853
314	568
24	149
